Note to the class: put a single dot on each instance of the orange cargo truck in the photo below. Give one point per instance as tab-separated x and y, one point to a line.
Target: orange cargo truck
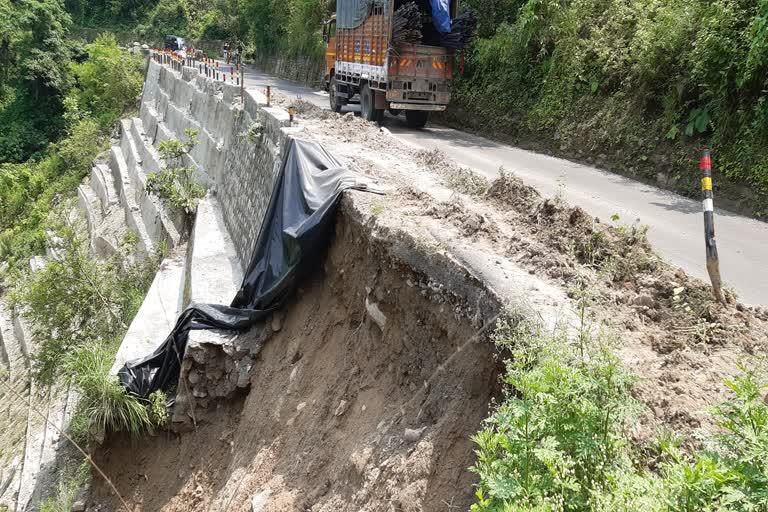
365	65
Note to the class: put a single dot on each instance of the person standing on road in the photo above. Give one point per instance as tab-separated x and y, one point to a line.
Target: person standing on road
239	54
226	52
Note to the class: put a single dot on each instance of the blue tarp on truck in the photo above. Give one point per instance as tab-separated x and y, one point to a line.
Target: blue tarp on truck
441	15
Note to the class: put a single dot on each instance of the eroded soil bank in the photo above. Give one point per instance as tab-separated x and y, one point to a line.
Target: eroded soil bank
363	399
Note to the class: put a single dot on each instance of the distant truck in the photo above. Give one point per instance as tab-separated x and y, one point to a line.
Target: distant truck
174	43
365	65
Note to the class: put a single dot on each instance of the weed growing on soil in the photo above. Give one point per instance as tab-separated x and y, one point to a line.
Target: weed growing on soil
465	181
176	184
622	253
69	483
255	131
559	440
457	178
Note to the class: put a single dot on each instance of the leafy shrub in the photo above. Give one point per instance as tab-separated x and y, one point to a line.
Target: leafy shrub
80	148
109	81
78	300
558	441
167	17
176	184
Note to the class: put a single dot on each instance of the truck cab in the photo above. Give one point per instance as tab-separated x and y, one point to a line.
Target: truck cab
329	38
365	64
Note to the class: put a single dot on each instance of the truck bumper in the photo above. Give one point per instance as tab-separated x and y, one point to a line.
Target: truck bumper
417	106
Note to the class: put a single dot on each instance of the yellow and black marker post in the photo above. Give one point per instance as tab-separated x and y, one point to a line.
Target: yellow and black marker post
713	261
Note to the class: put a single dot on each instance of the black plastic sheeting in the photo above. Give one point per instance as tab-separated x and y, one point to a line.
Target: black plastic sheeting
294	235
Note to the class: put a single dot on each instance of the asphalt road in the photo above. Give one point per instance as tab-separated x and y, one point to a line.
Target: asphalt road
675	222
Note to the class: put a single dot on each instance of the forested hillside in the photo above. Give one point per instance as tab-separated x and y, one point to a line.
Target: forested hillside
267	25
58	100
641	85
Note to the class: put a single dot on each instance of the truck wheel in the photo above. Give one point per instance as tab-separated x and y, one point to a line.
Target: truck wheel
367	105
335	105
416	118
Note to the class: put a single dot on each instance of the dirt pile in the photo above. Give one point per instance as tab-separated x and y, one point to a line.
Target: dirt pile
673	335
363	400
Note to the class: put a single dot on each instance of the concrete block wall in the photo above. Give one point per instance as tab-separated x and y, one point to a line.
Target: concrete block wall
239	152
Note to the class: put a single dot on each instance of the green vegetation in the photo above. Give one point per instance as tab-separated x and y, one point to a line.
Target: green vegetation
77	299
79	309
28	190
176	184
109	82
266	26
558	441
33	76
70	481
647	83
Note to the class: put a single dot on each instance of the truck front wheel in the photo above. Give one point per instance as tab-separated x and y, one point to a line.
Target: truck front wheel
416	118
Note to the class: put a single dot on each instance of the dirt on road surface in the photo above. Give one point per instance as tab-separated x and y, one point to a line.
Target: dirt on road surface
671	332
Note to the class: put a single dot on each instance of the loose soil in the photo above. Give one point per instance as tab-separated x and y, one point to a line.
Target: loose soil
344	414
669	329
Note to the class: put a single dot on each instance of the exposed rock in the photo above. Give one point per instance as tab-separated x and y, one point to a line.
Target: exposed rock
375	313
412	435
342	408
277	321
259	502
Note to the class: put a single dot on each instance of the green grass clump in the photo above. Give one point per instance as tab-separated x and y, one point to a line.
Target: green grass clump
559	442
105	403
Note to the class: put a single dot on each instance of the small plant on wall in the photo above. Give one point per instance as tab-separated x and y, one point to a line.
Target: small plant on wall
176	185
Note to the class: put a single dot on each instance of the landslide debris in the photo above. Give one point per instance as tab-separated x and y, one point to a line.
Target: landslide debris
364	400
673	335
366	396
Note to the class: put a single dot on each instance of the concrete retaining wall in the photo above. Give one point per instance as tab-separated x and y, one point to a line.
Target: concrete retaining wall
238	155
306	70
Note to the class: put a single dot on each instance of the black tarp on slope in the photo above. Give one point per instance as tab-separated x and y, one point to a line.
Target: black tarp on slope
295	231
